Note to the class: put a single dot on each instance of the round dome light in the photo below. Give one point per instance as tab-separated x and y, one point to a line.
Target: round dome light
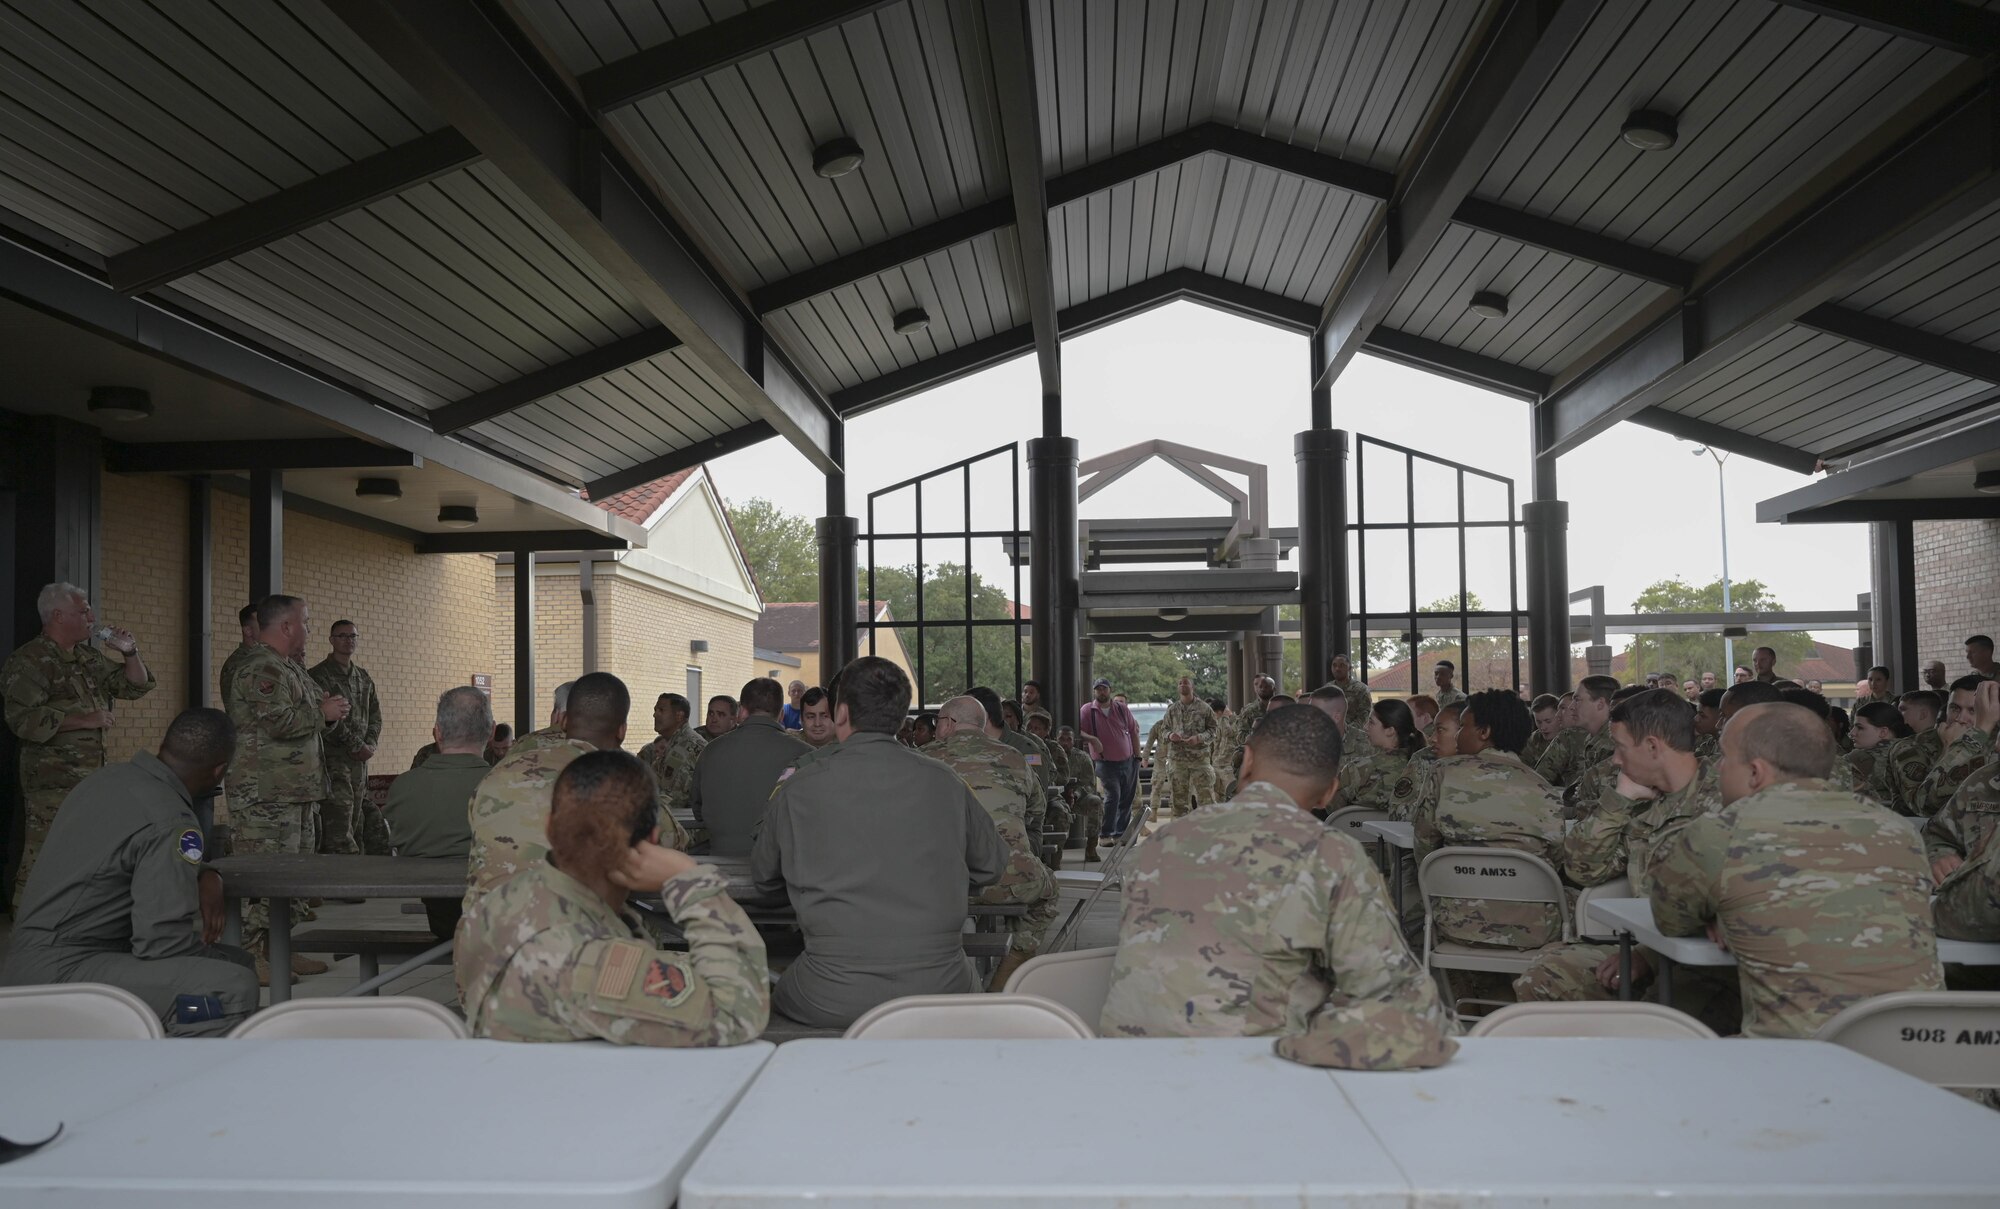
1650	130
1488	305
837	157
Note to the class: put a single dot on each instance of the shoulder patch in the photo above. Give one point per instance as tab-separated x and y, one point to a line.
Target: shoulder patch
786	774
667	982
190	846
621	966
1034	761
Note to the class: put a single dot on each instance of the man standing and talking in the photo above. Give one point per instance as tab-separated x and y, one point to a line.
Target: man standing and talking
348	820
1109	727
58	690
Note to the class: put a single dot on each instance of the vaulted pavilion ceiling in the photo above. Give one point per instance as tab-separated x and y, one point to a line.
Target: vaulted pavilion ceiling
588	235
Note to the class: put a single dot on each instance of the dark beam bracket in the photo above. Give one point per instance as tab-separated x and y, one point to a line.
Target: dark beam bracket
1946	24
552	380
680	459
1969	360
207	457
289	211
1011	48
474	542
712	48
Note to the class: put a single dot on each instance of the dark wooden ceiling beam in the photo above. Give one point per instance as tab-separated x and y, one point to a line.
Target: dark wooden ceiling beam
1947	24
1911	195
1010	48
680	459
215	457
1526	46
552	380
714	47
1914	344
288	211
482	79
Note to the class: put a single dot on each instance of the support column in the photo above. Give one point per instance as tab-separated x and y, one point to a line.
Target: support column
1235	676
1324	619
1054	572
200	591
1087	669
524	642
56	469
1545	525
1893	603
1864	649
267	533
586	588
839	607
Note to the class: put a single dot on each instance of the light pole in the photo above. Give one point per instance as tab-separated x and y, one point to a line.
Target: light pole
1722	520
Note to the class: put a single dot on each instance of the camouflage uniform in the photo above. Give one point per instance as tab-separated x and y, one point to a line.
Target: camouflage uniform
1860	763
348	820
1535	748
548	736
1163	766
1089	794
1246	721
1378	780
1899	772
1193	782
1573	753
1252	919
278	777
1708	747
510	819
998	776
1449	696
1967	824
672	761
1967	755
1612	838
547	959
1040	767
1822	898
1489	800
1968	900
43	684
1359	701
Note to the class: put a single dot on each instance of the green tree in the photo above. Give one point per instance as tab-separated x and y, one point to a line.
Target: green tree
782	549
1151	671
993	647
1686	656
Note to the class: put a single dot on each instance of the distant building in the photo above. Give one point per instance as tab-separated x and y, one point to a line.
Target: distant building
1832	666
787	639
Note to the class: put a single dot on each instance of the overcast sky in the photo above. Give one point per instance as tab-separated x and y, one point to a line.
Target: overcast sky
1642	508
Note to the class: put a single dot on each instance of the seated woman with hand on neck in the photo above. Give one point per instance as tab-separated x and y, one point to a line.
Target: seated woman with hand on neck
552	955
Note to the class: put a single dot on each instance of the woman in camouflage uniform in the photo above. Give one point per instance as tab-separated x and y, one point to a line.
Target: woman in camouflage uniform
1379	777
551	955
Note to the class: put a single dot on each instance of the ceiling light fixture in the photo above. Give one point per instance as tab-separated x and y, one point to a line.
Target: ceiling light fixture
837	157
458	516
1650	130
378	489
910	322
1488	305
1987	482
1173	614
124	403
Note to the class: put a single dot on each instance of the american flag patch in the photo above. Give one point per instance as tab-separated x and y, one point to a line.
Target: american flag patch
621	966
1034	760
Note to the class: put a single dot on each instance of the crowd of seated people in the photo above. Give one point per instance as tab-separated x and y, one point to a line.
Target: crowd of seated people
877	844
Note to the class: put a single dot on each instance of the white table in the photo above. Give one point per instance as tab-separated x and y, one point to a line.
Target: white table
1402	835
1592	1122
1632	919
390	1124
839	1124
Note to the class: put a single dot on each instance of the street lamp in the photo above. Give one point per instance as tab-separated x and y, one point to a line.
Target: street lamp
1722	520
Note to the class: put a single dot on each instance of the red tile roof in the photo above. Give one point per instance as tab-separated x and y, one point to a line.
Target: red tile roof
637	504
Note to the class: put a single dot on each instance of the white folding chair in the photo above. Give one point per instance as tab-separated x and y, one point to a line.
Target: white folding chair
1586	929
1591	1020
1494	874
1945	1038
392	1018
1350	818
1079	980
76	1011
969	1017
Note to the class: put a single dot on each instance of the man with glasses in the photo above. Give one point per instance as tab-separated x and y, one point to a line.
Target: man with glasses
348	820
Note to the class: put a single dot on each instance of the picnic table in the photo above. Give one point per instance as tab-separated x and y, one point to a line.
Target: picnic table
282	878
1632	1122
1631	919
391	1124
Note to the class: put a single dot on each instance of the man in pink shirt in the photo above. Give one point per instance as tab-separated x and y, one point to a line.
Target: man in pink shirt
1113	735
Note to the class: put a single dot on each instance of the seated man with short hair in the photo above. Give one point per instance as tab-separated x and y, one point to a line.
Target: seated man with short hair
119	894
1821	895
1250	918
429	810
736	772
552	953
877	847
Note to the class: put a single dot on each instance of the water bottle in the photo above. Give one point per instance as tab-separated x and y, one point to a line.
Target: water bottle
102	633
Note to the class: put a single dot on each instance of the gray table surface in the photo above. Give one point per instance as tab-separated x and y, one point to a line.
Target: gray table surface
331	876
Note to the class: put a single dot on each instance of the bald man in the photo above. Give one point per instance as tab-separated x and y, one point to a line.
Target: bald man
1821	895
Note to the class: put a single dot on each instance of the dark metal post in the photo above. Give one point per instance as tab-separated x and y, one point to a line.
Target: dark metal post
267	533
586	589
1321	454
839	607
200	591
524	642
1087	667
1893	603
1545	529
1055	583
1864	649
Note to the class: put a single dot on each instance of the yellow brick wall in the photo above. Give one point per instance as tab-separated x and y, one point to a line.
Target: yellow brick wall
143	564
426	620
558	637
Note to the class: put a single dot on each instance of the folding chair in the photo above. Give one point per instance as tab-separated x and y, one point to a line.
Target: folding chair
1586	929
969	1017
394	1017
1079	980
1946	1038
1110	873
76	1011
1591	1020
1495	874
